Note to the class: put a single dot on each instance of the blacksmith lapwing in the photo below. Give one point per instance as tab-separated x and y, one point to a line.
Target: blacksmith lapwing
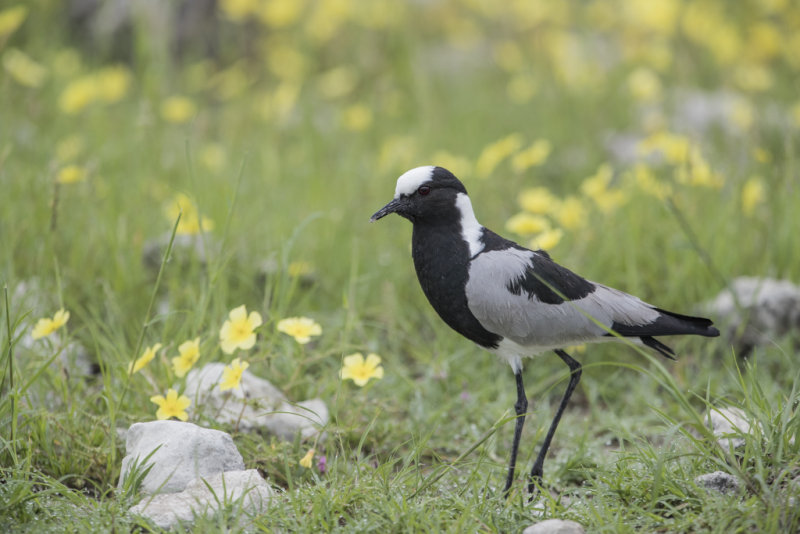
512	301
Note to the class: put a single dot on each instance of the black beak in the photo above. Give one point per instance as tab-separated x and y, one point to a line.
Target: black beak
392	207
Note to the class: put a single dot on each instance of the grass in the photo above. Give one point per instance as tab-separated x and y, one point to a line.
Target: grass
424	448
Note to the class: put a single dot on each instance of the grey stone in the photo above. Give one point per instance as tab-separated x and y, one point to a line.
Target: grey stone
756	311
728	425
257	404
719	481
183	452
245	491
555	526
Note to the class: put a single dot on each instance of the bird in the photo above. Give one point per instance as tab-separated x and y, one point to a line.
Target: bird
515	302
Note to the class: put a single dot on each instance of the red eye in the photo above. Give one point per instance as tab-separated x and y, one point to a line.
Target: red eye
423	190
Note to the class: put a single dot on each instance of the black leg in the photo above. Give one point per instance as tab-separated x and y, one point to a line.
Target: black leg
575	377
520	408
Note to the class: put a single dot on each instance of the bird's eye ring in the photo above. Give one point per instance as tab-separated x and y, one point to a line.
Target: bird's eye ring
423	190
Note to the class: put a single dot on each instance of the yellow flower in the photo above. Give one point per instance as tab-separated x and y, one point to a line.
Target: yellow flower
23	69
494	153
534	155
189	354
11	19
238	332
698	172
280	13
77	95
232	375
571	213
300	328
527	224
112	83
337	82
172	406
178	109
359	370
753	194
547	239
71	174
191	223
648	183
46	326
644	85
675	148
538	200
148	354
357	118
305	461
597	184
238	10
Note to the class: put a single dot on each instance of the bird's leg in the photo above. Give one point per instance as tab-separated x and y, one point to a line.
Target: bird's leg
520	408
575	377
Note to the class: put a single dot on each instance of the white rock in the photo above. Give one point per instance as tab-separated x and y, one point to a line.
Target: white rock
257	404
728	425
555	526
756	311
718	481
245	490
183	452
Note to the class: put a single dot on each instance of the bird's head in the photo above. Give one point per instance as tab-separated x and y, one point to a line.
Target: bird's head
424	194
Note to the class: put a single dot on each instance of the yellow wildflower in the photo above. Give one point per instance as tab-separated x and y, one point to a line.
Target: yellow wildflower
610	200
12	18
280	13
46	326
538	200
571	213
178	109
360	370
23	69
189	353
644	85
597	184
743	114
674	148
646	180
172	405
286	62
494	153
547	239
698	172
232	375
337	82
753	194
146	357
112	83
305	461
533	156
357	118
71	174
191	223
78	94
238	332
300	328
527	224
238	10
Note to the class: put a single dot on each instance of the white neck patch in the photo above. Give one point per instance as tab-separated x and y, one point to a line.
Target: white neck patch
471	229
410	181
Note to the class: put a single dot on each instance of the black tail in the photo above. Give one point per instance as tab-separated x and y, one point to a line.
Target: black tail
667	324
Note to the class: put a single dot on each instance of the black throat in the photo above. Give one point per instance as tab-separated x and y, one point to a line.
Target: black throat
441	259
